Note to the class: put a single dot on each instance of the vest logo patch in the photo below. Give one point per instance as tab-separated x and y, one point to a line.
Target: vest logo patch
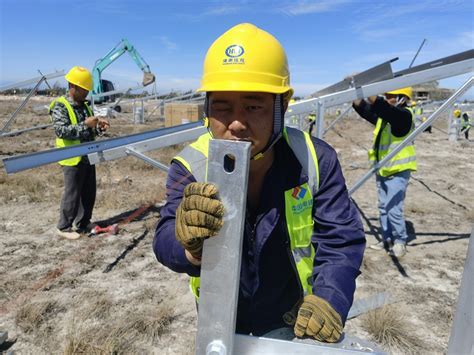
298	192
300	200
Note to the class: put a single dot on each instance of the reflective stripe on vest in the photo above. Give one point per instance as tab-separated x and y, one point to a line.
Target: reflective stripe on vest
298	200
62	142
403	160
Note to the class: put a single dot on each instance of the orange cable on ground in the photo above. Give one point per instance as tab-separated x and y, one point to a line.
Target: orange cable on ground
53	274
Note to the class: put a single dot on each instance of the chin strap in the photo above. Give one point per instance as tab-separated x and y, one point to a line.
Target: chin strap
278	124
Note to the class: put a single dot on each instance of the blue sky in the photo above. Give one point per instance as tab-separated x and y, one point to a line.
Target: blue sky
325	40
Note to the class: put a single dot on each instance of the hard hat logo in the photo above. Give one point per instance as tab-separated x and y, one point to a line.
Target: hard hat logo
249	47
234	51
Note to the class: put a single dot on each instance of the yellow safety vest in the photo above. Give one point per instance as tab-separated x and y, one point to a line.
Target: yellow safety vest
298	200
62	142
404	160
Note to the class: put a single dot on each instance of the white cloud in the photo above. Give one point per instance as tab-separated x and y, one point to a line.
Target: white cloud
167	43
311	7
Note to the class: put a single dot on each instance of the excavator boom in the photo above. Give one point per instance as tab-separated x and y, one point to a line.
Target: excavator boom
101	64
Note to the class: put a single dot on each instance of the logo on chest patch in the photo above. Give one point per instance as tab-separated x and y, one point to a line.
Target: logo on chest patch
298	192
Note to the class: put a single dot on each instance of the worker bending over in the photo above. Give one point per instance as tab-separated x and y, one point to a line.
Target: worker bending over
74	123
303	239
393	121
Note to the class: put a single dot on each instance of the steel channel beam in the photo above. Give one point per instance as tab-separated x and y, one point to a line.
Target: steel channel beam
32	81
320	119
461	340
33	160
220	269
147	145
448	103
437	73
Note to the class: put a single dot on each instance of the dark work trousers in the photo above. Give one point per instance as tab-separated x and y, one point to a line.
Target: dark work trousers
78	198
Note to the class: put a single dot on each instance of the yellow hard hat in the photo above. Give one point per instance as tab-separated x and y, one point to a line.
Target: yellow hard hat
408	92
246	58
80	76
457	113
414	103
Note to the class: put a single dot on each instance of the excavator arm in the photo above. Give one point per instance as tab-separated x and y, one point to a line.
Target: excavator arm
102	63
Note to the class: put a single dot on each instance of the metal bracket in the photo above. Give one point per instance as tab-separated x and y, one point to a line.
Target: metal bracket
220	269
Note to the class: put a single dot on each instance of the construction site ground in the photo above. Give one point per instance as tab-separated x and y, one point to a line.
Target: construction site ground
108	294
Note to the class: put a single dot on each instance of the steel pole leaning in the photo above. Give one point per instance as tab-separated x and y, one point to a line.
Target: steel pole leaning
412	135
336	120
31	93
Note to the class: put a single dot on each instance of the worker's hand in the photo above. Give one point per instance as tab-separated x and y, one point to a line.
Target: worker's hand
372	99
91	121
199	216
318	319
103	124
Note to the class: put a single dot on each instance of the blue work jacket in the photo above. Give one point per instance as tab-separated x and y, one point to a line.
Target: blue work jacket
269	284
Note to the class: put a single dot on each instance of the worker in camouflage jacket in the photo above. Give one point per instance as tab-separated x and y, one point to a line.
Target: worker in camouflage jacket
74	123
303	238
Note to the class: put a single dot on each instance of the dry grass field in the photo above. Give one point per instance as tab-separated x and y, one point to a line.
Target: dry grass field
108	294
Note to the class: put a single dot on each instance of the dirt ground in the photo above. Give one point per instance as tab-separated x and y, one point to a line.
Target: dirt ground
108	294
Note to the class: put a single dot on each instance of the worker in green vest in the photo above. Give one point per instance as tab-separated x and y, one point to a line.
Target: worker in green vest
303	239
74	123
393	120
312	121
466	124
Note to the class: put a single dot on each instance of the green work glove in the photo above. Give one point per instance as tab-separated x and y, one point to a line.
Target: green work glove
319	320
199	216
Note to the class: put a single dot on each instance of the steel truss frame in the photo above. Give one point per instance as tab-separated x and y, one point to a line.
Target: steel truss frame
435	70
38	81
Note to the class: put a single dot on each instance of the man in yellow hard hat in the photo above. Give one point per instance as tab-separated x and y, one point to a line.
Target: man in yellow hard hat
312	121
393	120
303	240
74	123
466	124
